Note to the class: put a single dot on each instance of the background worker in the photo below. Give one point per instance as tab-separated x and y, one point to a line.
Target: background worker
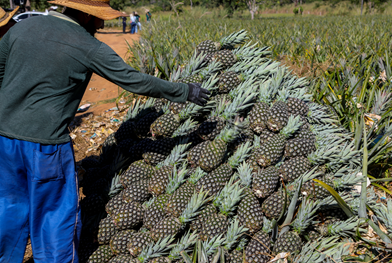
6	21
40	91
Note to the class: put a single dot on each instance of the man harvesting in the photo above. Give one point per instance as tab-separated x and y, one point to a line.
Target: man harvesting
46	63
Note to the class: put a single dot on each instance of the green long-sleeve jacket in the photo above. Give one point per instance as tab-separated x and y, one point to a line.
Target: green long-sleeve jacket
45	65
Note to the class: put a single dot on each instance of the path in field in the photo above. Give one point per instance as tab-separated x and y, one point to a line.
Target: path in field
99	89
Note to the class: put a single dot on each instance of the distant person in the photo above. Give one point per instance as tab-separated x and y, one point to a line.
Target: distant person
138	24
148	16
133	23
124	22
5	20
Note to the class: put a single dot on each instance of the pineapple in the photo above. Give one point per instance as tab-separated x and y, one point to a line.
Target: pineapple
228	81
137	192
211	127
216	180
128	216
294	168
154	250
265	182
160	180
290	241
142	126
228	42
138	242
265	135
273	206
299	147
194	153
316	191
278	115
102	255
180	198
123	258
118	243
106	230
137	171
115	203
226	202
233	237
171	226
206	212
156	211
258	115
156	151
270	152
249	211
258	249
297	106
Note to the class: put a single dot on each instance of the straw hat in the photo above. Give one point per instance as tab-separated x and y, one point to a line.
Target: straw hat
97	8
5	17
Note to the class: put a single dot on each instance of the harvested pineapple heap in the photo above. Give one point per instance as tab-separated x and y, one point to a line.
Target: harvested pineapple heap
231	181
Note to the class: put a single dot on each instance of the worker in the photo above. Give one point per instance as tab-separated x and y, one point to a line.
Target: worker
46	63
6	21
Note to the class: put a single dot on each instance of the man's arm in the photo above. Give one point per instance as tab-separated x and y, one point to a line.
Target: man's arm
110	66
3	56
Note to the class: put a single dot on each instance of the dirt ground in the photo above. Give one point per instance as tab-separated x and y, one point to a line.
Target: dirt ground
100	93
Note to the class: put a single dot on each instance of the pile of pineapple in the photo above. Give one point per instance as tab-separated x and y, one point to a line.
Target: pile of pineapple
232	181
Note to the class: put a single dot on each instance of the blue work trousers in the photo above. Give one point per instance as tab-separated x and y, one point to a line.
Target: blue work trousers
38	196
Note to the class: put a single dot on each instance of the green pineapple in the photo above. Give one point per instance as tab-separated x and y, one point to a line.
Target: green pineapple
299	147
270	152
137	171
316	191
102	255
278	115
228	42
216	180
115	203
194	154
138	242
297	106
290	241
128	216
249	211
118	243
234	234
156	211
180	198
226	202
137	192
273	206
265	135
106	230
205	213
258	115
258	249
265	182
171	226
294	168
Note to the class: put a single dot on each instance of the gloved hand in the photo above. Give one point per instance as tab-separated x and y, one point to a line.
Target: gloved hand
197	94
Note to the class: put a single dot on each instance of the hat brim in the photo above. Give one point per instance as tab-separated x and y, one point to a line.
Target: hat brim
104	12
9	16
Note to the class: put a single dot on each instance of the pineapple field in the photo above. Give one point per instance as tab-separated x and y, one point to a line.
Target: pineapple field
275	168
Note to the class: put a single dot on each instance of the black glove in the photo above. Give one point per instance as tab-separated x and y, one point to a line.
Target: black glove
197	94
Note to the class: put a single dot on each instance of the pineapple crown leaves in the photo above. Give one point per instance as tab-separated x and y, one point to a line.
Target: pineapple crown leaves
268	225
226	190
300	94
275	83
349	178
183	244
165	108
137	108
177	178
236	38
148	203
293	124
184	128
234	232
245	67
256	142
193	206
240	155
318	115
160	248
220	106
176	155
324	154
230	200
321	249
384	214
212	245
193	67
115	186
245	174
242	97
323	130
346	228
250	51
305	177
212	68
305	215
346	155
228	134
264	93
197	175
382	101
265	69
210	83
